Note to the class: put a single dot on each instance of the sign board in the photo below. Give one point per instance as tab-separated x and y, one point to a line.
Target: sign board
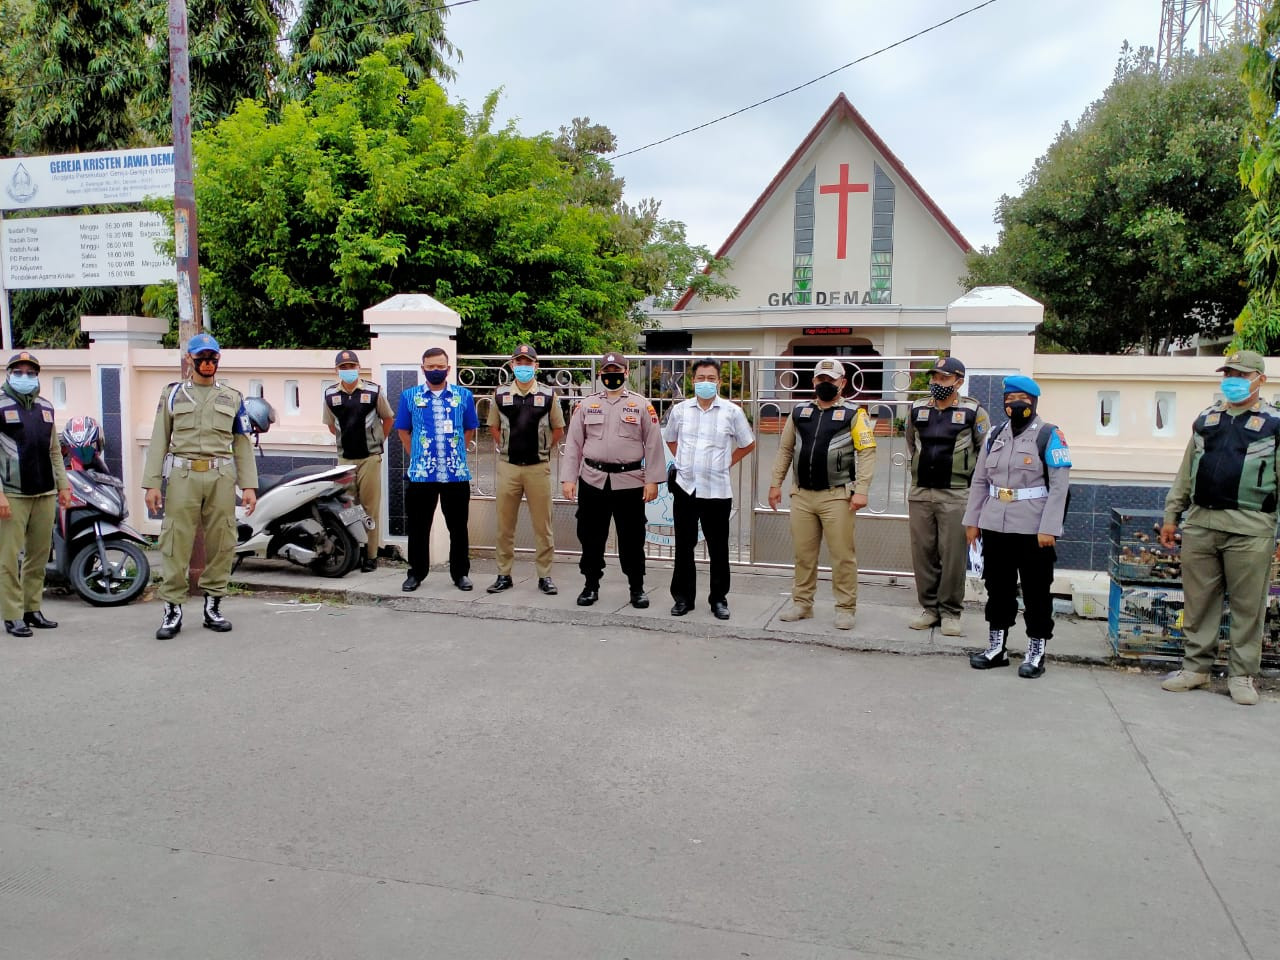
826	331
99	250
81	179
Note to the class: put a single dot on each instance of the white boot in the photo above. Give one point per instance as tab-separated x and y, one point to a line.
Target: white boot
994	655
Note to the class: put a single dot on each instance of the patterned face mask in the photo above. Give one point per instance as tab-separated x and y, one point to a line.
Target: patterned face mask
939	392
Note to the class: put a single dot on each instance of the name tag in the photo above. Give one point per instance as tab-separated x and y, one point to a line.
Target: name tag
593	416
366	398
1212	419
539	400
922	413
805	412
48	415
335	400
958	417
446	426
838	414
11	416
507	400
1255	423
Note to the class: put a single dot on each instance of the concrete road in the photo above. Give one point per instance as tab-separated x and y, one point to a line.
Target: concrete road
335	782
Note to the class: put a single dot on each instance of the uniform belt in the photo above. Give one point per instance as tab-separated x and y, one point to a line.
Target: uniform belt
201	466
1009	494
613	467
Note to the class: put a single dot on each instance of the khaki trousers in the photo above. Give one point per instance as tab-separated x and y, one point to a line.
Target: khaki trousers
368	493
1215	562
534	483
818	514
29	532
939	550
191	500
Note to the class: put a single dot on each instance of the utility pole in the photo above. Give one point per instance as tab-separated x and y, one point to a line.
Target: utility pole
185	237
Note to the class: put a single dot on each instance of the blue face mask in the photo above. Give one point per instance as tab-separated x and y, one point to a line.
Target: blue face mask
523	372
348	376
24	383
1235	389
705	389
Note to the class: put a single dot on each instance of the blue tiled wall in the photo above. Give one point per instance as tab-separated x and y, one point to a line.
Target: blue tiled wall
393	455
112	419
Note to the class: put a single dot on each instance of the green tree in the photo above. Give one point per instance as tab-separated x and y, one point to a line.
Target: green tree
332	36
371	187
233	56
1125	228
79	67
1258	325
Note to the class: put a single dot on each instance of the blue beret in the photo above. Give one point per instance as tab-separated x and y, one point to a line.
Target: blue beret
202	342
1021	384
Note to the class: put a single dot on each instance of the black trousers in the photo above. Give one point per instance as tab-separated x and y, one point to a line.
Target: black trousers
420	501
713	514
1008	558
596	507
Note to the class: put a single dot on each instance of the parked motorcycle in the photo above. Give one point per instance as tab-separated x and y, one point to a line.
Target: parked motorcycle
100	556
307	516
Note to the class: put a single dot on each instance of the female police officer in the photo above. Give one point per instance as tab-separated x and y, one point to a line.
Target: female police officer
1017	501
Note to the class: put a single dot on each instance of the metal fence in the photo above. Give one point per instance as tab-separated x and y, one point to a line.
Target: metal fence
767	388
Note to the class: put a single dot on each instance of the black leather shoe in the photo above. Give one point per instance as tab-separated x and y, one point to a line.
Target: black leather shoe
411	583
17	628
547	586
502	583
464	583
368	564
38	620
589	595
639	599
721	610
680	608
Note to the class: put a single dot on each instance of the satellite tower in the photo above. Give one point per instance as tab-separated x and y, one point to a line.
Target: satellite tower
1198	26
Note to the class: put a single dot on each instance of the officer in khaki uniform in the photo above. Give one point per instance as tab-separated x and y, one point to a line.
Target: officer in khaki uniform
833	450
358	415
31	469
1227	486
525	422
202	430
614	446
944	433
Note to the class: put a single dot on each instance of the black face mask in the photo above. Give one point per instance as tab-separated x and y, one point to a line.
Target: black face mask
613	381
939	392
826	391
1019	413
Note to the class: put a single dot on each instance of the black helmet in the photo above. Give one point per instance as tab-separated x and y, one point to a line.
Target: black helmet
261	414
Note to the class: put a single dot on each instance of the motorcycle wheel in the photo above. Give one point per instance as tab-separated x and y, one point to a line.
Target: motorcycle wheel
343	553
128	575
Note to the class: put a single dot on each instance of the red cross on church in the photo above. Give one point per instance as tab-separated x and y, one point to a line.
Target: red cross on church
843	189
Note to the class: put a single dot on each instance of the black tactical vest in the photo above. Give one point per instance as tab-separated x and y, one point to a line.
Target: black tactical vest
525	424
947	455
357	416
1233	466
824	455
25	434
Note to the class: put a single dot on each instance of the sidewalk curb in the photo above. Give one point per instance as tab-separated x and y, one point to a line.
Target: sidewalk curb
584	617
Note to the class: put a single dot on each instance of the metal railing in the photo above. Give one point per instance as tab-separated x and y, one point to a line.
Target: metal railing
767	388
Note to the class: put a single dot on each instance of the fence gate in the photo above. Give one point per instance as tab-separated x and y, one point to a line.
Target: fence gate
767	388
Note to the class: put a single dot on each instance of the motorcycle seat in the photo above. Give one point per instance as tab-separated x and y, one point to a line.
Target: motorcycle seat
269	481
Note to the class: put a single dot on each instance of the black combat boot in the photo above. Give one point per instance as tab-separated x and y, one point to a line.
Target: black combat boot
1033	662
213	618
994	655
172	622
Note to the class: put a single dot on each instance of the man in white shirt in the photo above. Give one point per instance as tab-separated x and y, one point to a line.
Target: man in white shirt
708	435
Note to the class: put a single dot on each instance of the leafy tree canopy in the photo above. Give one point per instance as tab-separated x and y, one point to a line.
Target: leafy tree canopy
1258	326
1125	228
371	187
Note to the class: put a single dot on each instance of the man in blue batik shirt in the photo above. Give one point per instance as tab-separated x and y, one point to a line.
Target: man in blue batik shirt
436	423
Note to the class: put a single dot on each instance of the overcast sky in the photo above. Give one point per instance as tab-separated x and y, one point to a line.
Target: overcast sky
967	108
